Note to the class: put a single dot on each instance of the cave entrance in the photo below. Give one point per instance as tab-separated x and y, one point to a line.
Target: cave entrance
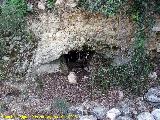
76	59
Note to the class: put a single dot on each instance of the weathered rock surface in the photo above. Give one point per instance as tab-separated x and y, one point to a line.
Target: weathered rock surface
86	117
145	116
72	78
99	112
126	107
113	114
156	114
156	28
72	29
153	96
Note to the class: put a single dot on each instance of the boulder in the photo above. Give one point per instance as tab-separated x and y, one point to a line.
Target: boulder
156	114
153	96
145	116
113	114
99	112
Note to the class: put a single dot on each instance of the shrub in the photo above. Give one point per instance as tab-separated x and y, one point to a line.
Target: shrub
12	16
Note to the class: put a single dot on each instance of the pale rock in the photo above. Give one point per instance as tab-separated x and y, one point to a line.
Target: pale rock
153	96
126	107
72	78
5	58
72	3
41	5
79	110
156	29
29	7
99	112
153	75
49	68
156	114
86	117
59	2
145	116
59	36
113	114
158	47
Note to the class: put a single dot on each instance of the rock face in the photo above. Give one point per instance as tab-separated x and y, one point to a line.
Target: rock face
71	29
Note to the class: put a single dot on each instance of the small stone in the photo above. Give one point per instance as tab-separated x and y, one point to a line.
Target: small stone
76	110
158	47
41	5
86	117
113	114
145	116
59	2
156	29
72	3
5	58
156	114
72	78
29	7
16	38
99	112
153	75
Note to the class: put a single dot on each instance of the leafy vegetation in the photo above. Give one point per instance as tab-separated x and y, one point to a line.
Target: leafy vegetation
61	105
132	76
12	29
50	3
107	7
12	16
12	21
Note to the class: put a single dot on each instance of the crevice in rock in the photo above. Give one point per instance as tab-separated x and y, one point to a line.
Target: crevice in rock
78	58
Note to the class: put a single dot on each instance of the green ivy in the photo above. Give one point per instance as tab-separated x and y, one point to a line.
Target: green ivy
106	7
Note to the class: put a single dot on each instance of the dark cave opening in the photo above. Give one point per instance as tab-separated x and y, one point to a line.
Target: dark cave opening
78	58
